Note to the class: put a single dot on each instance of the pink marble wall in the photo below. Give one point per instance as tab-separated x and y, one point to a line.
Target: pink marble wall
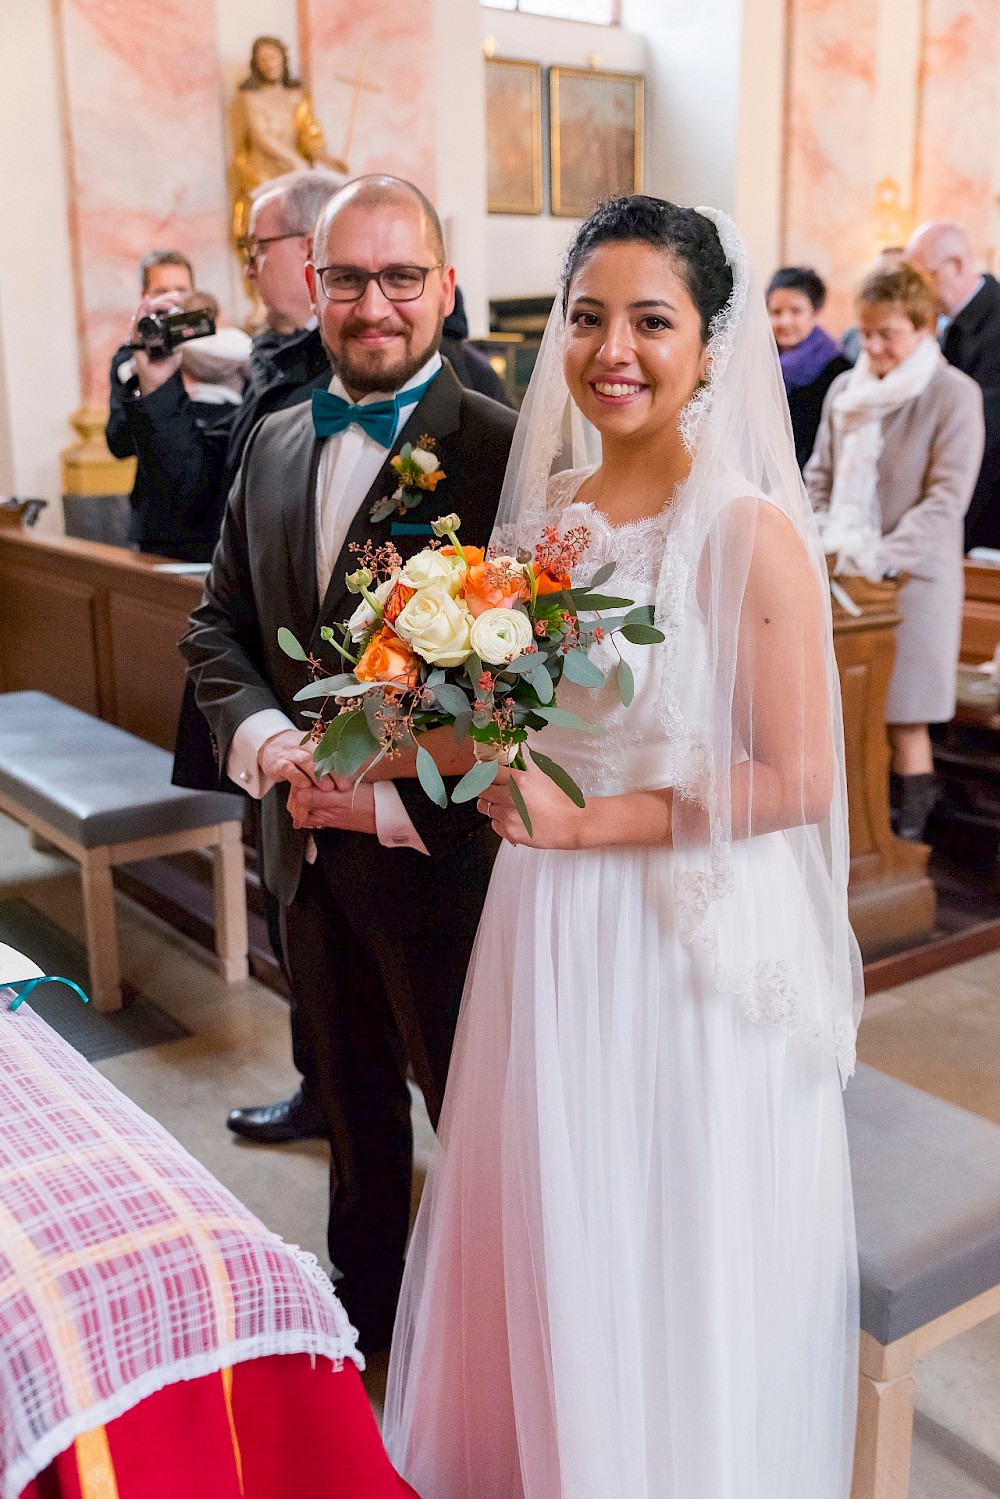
395	130
960	116
832	174
143	127
828	193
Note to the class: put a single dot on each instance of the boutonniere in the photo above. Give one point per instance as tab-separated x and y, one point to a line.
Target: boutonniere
416	465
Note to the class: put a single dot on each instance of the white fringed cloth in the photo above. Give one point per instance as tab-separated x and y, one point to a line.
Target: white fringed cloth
124	1265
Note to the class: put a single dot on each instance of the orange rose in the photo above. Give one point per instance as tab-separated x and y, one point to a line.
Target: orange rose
550	581
388	659
431	481
396	602
472	554
488	586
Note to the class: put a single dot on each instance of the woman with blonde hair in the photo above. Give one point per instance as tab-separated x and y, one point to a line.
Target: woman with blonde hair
891	477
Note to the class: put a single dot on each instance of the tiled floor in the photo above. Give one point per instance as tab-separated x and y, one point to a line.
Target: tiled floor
940	1033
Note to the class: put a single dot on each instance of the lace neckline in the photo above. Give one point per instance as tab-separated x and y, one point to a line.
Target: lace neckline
574	480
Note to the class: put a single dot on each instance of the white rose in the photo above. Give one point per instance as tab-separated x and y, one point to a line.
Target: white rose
498	635
424	460
434	570
436	626
363	617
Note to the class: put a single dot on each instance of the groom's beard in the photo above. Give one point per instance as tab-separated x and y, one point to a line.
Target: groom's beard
364	374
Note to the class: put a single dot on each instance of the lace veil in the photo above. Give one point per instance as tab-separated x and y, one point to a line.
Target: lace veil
756	733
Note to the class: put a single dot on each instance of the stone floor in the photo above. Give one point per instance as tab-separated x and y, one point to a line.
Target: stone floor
940	1033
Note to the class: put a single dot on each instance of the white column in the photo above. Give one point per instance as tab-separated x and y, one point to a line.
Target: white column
460	94
760	140
39	352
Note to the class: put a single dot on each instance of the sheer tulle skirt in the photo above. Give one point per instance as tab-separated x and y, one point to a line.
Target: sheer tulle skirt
633	1274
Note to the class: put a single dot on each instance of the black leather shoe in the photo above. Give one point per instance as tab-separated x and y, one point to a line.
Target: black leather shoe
297	1118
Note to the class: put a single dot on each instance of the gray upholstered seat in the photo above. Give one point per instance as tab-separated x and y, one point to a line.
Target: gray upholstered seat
93	781
927	1194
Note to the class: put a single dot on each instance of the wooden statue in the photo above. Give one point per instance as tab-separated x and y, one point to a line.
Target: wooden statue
274	128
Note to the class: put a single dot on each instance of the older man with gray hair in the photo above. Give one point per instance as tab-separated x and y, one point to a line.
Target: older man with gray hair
969	333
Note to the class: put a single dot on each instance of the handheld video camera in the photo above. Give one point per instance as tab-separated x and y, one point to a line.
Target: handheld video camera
160	333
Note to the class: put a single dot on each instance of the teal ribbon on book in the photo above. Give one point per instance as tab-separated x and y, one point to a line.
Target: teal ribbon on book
23	987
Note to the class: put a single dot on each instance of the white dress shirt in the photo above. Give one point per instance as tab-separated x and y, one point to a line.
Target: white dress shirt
348	467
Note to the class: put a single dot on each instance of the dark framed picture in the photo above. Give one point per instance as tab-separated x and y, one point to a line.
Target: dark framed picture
595	125
513	135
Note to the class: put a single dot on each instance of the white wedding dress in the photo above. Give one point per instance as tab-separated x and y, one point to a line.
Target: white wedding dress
633	1274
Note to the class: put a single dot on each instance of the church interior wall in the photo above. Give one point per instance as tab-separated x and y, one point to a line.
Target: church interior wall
893	118
524	251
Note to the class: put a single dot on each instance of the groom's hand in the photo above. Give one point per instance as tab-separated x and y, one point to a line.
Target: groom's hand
284	757
334	804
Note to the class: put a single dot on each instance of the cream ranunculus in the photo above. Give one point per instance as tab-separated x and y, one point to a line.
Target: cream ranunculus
363	618
498	635
434	570
436	626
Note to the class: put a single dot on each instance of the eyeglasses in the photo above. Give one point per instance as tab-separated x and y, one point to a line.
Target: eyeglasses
397	283
250	247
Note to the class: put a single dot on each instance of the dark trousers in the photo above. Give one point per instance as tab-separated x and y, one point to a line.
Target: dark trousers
376	975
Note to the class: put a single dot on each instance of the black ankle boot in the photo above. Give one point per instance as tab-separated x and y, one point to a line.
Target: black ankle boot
919	793
895	799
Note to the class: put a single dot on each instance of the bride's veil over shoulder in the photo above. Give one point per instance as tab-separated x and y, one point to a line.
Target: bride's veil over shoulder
742	532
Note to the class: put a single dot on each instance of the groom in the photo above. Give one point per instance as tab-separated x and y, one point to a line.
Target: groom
381	890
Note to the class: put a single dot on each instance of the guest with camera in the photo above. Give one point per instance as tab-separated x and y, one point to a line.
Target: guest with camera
891	476
190	467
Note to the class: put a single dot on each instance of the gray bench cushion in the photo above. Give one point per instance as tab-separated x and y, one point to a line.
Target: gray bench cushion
93	781
927	1195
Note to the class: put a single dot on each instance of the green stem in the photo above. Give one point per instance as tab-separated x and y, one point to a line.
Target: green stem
372	603
458	546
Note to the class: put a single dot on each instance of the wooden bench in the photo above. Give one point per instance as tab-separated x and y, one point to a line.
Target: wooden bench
104	797
927	1197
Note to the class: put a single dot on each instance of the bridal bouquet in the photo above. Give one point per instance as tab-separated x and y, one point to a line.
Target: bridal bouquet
457	638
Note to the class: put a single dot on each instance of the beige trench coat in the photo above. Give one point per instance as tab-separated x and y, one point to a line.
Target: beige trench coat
933	446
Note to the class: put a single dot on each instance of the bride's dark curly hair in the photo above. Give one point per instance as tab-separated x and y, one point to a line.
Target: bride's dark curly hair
690	240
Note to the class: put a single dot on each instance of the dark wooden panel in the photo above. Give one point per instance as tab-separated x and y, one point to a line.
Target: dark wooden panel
146	667
47	635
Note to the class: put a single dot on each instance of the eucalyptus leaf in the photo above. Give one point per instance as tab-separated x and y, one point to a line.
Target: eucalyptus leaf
476	780
522	666
603	574
451	699
542	683
473	668
642	614
430	777
594	602
581	670
331	739
290	646
435	677
566	720
325	687
518	800
355	746
643	634
626	683
462	725
561	777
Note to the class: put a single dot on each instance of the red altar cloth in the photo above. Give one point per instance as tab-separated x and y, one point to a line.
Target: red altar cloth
300	1429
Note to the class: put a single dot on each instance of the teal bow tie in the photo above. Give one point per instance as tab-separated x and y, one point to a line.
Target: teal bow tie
332	414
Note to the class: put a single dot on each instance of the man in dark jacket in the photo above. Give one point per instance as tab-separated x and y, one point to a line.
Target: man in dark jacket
188	469
369	878
969	330
472	367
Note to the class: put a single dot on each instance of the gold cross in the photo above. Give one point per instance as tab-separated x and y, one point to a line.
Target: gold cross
359	86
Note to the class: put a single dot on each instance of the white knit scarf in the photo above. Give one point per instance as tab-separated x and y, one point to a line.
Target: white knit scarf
852	526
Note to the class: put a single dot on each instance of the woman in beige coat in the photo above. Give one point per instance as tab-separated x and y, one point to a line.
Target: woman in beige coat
891	476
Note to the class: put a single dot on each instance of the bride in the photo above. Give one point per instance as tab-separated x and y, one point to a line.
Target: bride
633	1274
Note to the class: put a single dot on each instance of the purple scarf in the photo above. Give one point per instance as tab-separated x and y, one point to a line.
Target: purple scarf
807	361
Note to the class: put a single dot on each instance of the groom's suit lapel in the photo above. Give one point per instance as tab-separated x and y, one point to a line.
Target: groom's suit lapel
298	516
438	414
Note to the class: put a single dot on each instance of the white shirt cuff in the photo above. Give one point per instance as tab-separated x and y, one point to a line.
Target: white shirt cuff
392	821
248	741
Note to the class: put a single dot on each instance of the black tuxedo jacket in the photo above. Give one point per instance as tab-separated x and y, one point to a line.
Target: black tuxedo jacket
972	344
264	576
